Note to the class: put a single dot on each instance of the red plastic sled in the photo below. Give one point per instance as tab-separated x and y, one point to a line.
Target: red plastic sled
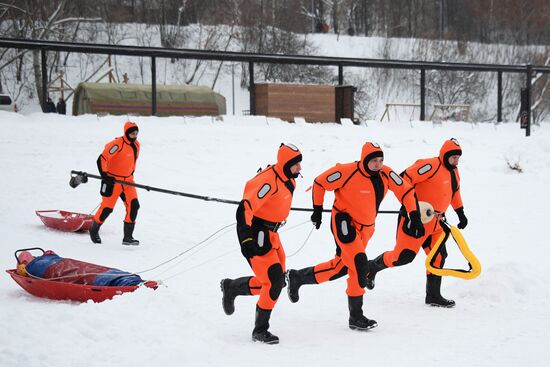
65	221
72	292
59	290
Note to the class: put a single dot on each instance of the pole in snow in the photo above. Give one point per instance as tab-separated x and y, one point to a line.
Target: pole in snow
80	177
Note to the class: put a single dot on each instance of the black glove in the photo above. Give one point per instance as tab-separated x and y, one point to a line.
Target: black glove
109	180
462	220
248	248
317	215
416	227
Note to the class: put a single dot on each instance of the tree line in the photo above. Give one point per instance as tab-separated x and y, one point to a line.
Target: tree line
441	31
519	22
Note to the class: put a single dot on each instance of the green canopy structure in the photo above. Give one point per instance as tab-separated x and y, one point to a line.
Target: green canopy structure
135	99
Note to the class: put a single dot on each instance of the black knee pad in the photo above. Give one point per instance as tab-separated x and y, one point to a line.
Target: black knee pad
406	256
361	262
340	274
134	207
276	277
105	213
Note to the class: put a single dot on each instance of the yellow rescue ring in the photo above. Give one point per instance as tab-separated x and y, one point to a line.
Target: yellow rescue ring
475	266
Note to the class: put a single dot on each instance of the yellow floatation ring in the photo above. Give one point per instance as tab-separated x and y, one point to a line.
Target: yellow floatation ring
475	266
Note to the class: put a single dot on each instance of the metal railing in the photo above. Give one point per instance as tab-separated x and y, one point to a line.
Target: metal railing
252	58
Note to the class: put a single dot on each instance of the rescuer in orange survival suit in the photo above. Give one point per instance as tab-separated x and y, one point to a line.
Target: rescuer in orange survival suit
265	206
359	188
118	161
436	181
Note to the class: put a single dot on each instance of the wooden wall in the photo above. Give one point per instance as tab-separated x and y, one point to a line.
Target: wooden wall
315	103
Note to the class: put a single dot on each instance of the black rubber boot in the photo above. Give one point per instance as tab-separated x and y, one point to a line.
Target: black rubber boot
230	290
128	232
260	332
373	267
297	278
433	293
94	232
358	321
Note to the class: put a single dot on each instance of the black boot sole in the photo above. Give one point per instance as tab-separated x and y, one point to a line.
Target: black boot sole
358	328
223	295
271	342
441	306
370	285
95	240
287	278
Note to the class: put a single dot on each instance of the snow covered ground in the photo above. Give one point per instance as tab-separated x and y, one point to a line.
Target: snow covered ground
501	318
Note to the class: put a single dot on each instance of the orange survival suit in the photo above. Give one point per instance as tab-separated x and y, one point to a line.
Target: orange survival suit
358	193
264	208
438	183
118	161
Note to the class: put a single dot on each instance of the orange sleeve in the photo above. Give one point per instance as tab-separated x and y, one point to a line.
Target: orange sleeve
138	146
421	170
456	200
110	150
256	192
330	180
105	157
402	190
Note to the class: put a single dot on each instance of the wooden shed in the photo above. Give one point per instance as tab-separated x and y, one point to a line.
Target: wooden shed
315	103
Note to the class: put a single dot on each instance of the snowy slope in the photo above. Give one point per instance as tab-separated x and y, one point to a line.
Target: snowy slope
501	318
380	86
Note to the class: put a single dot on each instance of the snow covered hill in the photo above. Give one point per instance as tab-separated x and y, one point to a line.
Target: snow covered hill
501	317
376	87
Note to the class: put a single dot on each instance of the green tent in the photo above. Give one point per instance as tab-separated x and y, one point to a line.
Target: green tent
135	99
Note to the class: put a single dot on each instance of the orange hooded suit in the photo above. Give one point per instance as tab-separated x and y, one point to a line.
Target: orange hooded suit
266	204
358	193
118	161
438	183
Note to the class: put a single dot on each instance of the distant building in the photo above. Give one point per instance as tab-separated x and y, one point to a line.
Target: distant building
135	99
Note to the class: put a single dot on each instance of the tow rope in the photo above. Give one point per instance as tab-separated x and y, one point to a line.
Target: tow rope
228	253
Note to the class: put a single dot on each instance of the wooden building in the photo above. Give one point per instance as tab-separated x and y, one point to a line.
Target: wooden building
315	103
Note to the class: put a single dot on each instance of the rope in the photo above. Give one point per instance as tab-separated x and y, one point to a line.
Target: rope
235	250
93	210
295	226
186	251
201	264
215	258
210	237
139	272
303	244
193	253
224	228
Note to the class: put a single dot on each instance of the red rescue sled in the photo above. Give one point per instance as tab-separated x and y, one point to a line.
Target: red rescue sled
68	291
58	290
65	221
